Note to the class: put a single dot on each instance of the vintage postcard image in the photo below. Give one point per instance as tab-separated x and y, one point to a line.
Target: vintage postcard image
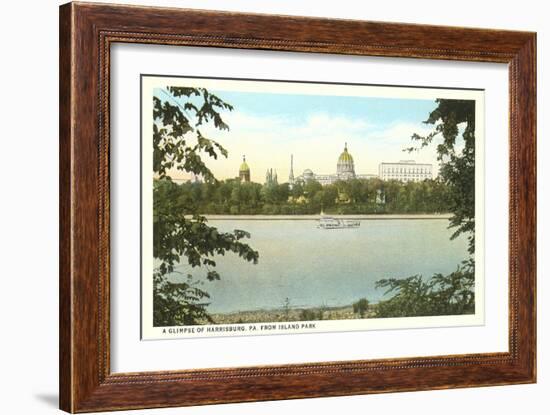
277	207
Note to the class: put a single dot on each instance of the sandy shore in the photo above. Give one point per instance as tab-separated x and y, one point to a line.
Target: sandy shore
315	217
292	314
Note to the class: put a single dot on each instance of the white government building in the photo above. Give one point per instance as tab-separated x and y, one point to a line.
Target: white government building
405	171
345	170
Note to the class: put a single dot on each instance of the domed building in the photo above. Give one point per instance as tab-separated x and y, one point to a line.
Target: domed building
244	171
345	169
308	175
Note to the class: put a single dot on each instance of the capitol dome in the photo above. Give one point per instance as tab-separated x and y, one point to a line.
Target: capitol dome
345	167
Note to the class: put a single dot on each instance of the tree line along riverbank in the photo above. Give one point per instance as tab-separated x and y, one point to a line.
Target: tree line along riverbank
357	196
379	216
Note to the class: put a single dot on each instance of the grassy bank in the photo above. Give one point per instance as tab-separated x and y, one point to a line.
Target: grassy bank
292	314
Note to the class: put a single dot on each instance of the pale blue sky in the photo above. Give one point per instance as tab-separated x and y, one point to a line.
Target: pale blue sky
269	127
378	111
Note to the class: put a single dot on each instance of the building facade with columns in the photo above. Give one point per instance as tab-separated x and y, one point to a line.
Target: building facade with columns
405	171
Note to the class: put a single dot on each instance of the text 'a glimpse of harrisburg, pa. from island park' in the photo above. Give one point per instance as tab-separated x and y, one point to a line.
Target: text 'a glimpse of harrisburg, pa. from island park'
277	207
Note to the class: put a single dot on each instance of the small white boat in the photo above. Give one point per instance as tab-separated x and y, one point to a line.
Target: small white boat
329	222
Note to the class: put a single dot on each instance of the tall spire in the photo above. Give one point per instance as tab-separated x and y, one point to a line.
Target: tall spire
291	174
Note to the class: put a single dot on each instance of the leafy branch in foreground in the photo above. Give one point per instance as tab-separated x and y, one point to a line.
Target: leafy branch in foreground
184	302
441	295
177	123
178	229
454	293
457	159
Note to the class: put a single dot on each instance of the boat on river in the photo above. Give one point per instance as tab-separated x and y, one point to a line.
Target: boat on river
330	222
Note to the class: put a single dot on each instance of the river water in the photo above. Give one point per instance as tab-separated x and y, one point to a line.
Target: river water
315	267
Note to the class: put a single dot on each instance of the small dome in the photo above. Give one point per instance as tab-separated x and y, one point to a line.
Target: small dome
308	172
244	167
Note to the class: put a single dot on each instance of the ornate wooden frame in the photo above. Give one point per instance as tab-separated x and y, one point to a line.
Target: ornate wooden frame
86	33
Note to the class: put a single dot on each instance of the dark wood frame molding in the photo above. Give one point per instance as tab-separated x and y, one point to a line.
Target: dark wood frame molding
86	33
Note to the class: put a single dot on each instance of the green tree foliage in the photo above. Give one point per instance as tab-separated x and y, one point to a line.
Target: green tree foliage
457	157
308	314
451	294
361	307
179	231
235	197
181	303
454	293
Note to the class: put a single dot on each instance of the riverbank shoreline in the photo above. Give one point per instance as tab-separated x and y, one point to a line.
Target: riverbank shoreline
399	216
279	315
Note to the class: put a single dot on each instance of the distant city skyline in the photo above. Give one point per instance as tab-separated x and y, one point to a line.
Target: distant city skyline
267	128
